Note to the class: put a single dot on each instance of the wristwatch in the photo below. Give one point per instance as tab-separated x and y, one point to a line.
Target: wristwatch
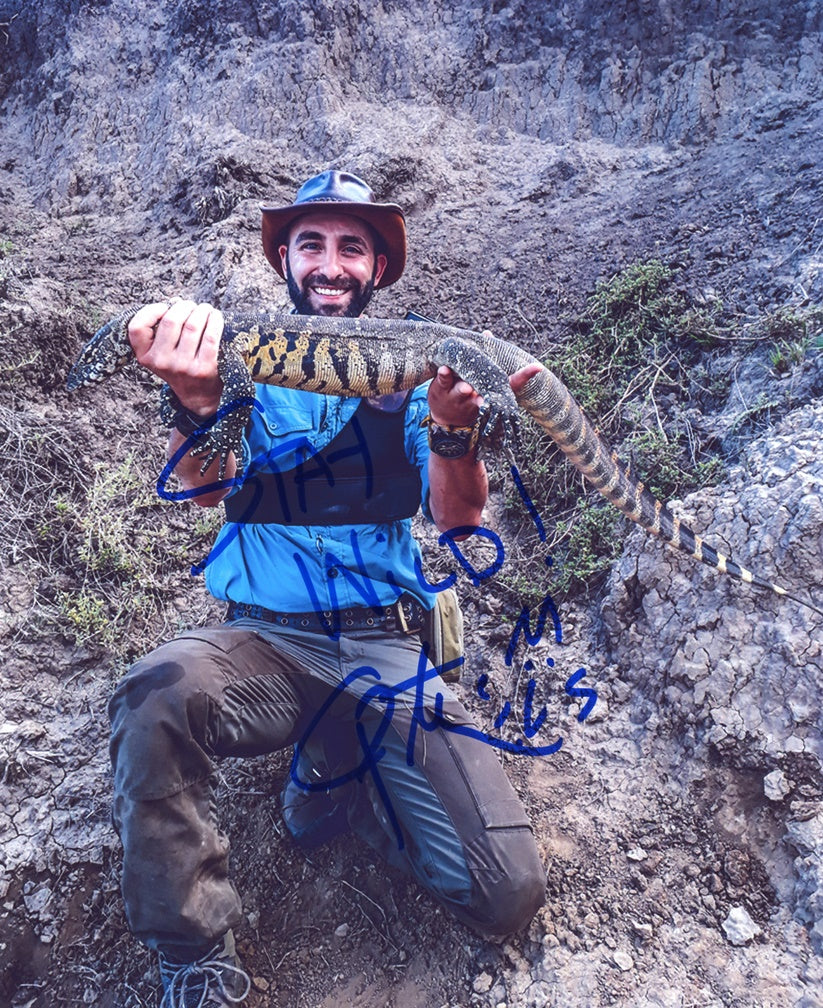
452	442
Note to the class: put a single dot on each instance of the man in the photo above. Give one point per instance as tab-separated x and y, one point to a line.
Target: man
321	648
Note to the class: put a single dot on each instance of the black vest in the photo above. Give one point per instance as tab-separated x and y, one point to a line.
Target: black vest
361	477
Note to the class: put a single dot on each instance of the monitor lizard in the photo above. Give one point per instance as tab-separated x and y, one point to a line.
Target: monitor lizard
367	357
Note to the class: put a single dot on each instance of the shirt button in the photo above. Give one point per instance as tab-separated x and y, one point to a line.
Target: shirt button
333	572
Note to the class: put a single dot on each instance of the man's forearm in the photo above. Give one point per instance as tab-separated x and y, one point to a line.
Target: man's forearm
458	490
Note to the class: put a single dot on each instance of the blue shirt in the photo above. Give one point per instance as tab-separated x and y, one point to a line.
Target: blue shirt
305	568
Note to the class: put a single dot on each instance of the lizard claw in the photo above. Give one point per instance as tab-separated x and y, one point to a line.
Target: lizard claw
500	429
490	380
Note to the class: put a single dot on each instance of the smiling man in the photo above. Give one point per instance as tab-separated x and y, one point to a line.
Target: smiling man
331	267
333	259
325	608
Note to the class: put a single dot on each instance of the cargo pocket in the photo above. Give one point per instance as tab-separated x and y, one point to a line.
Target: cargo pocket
486	788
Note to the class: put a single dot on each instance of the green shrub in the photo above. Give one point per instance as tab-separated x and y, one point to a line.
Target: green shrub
637	358
106	558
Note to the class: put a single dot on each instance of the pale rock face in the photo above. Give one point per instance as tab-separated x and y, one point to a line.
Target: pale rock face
776	786
740	929
750	670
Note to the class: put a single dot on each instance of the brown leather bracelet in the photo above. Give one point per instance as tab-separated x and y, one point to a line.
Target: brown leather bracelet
189	423
174	414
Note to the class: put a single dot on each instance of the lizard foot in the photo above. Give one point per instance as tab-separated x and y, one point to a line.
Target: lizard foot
502	414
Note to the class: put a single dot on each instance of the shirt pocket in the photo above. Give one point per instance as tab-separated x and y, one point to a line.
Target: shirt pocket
276	436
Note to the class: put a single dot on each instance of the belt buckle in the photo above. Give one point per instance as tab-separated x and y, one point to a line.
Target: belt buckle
396	618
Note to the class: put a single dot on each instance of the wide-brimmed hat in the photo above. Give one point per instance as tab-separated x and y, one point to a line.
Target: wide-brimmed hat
342	193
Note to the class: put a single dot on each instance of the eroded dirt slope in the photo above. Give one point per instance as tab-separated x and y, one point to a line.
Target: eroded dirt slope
537	150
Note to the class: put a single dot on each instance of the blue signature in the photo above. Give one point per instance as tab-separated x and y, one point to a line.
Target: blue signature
265	462
301	448
532	721
386	696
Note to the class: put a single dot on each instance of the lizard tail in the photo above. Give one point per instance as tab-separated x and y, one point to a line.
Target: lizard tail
105	352
554	408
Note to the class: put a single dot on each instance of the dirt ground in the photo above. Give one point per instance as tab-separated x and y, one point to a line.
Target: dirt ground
682	835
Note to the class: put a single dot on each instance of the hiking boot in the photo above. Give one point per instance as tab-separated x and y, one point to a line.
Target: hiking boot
215	980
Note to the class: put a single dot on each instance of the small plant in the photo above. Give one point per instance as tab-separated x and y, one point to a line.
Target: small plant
6	269
670	470
790	325
793	333
587	545
785	355
623	339
108	560
86	615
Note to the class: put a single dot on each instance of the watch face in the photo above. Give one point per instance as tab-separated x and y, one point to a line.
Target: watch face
449	445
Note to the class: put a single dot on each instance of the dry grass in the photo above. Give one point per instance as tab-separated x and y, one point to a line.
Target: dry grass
102	558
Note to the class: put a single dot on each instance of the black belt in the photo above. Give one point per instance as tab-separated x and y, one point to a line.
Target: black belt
406	615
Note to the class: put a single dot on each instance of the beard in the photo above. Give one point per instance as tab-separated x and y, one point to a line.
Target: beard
300	296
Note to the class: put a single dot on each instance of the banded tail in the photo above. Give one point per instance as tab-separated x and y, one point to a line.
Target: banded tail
555	409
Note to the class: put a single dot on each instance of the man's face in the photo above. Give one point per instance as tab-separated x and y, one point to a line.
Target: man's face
330	264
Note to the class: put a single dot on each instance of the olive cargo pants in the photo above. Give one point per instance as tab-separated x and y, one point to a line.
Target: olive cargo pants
432	800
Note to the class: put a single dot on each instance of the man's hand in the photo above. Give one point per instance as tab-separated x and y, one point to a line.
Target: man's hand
458	488
521	378
179	343
454	403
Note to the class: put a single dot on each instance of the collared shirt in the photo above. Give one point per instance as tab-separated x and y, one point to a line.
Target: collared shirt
305	568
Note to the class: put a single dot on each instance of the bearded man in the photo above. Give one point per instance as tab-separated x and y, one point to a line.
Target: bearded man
321	647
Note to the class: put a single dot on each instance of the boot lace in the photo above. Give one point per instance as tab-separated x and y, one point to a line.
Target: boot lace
202	983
